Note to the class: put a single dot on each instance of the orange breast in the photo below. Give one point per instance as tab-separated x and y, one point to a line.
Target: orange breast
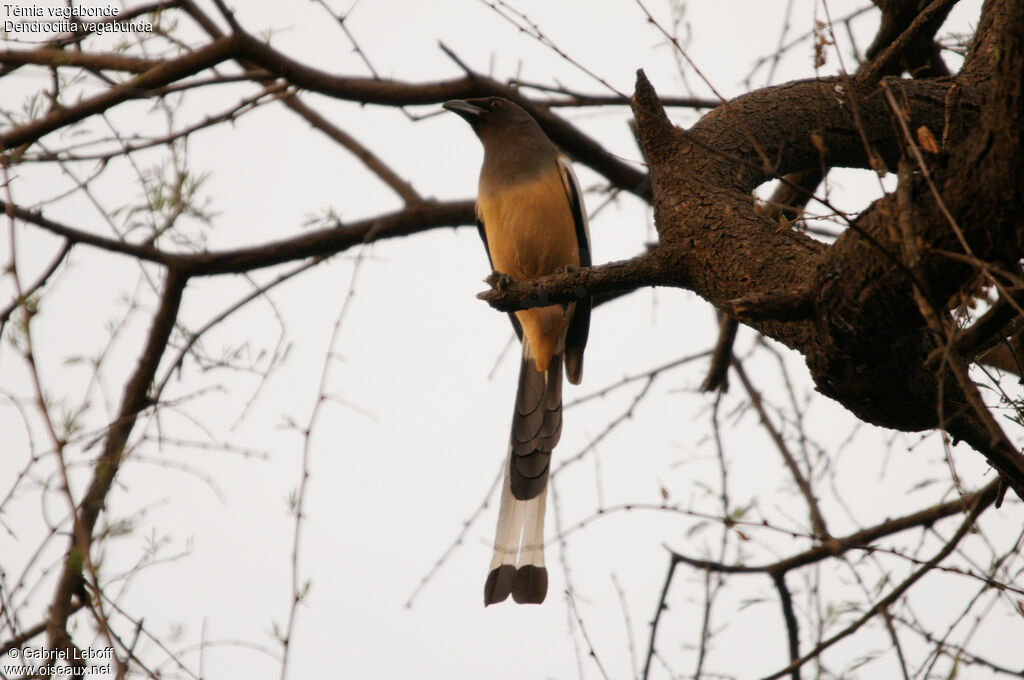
531	232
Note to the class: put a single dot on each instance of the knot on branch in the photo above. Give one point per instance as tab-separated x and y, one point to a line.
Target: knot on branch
788	304
656	132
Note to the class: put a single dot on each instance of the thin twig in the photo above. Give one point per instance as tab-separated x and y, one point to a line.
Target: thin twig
628	624
459	538
789	616
978	506
818	525
299	589
586	638
662	606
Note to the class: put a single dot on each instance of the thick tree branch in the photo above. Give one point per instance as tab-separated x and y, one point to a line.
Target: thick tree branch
901	35
100	61
247	48
374	91
412	219
146	253
888	49
865	341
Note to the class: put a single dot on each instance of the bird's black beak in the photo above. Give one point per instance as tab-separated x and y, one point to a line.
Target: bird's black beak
471	112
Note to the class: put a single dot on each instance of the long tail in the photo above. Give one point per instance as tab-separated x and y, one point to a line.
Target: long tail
518	563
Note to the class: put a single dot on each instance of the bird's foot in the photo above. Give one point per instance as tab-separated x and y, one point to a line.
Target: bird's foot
499	280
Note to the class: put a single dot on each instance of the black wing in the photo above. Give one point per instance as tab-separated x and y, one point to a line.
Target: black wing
579	327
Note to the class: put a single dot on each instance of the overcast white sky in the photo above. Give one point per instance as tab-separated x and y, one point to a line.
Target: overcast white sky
409	449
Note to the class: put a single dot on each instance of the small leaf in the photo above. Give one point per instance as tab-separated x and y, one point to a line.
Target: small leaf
927	140
699	526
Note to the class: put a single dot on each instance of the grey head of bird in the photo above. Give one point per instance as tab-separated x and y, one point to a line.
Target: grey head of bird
488	115
511	138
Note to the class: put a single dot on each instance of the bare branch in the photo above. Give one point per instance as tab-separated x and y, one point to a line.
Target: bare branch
818	525
646	270
789	616
924	25
133	401
975	509
163	73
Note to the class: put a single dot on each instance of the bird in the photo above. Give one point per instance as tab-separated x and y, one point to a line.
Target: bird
531	217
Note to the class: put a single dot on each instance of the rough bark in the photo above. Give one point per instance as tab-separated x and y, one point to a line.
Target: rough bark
857	319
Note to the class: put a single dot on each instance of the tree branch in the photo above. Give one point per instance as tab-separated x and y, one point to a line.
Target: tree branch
921	30
882	605
412	219
858	540
134	400
506	295
861	295
163	73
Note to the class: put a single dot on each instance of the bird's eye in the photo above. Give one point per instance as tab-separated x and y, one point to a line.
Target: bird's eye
495	104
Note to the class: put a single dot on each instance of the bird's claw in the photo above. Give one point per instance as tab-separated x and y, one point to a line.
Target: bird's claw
499	280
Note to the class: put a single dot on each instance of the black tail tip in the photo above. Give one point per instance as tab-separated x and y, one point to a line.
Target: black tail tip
527	585
531	585
499	584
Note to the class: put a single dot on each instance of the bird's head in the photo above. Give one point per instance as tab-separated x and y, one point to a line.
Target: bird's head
490	116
